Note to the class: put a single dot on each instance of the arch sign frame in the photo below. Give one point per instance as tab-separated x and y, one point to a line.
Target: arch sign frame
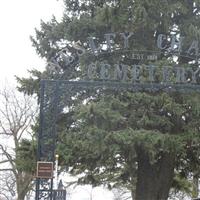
101	75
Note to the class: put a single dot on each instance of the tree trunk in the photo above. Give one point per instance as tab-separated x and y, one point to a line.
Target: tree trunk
22	182
154	180
21	195
196	185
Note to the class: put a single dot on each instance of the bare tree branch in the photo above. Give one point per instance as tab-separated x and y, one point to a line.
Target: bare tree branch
6	169
4	161
10	159
17	113
4	195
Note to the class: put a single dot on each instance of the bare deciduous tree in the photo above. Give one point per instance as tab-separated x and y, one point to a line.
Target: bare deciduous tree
17	113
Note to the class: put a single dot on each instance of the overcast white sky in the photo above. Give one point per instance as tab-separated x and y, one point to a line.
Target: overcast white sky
18	18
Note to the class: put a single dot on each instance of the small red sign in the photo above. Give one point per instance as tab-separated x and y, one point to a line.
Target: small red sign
44	169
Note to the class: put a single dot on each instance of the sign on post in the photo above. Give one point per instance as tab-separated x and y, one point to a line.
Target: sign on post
59	195
44	169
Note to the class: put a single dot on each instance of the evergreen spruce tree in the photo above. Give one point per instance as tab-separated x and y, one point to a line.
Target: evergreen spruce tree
147	142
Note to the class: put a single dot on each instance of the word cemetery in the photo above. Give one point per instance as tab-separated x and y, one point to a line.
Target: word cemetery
142	73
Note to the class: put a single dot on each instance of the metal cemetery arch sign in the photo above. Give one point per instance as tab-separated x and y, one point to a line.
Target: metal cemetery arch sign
52	95
55	95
